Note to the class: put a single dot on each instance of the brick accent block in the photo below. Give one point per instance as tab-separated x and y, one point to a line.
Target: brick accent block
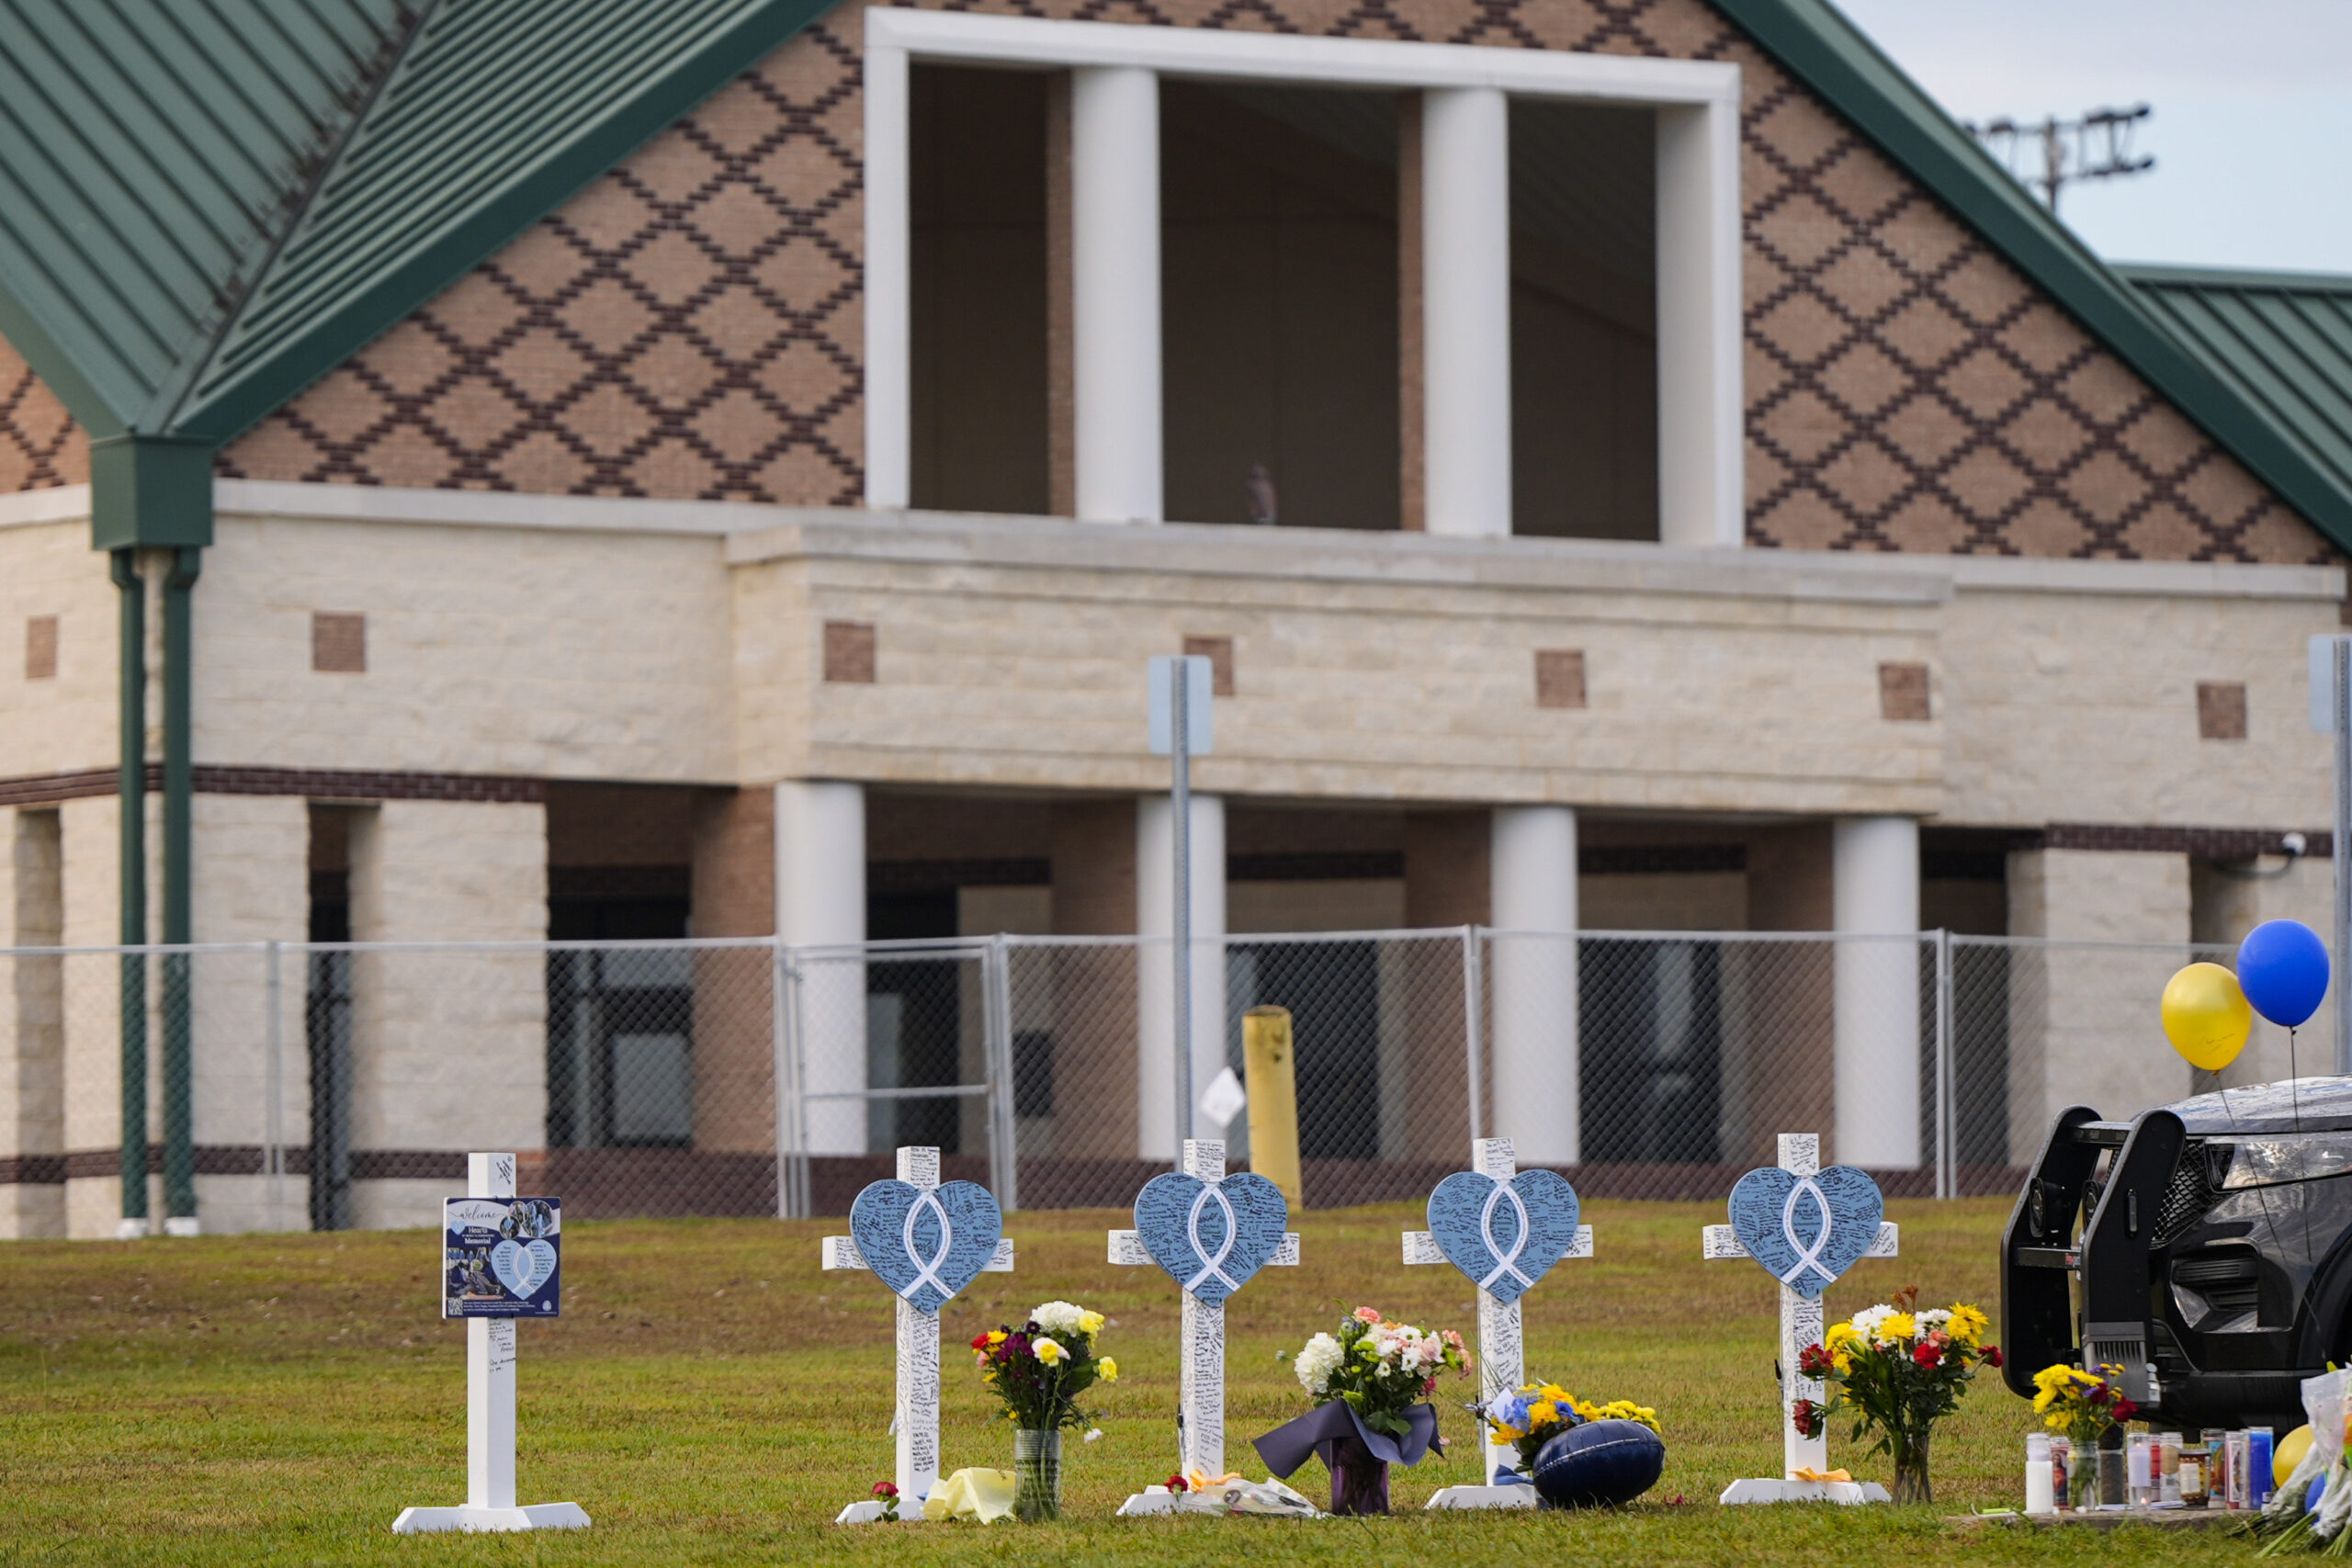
2221	710
41	647
849	652
338	643
1218	651
1902	693
1559	678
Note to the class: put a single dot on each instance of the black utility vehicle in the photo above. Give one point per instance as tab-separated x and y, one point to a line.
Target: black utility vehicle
2205	1247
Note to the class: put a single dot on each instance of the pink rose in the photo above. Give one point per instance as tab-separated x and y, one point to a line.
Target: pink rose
1367	1314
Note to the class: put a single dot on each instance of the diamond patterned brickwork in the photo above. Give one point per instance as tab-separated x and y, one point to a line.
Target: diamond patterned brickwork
41	446
691	325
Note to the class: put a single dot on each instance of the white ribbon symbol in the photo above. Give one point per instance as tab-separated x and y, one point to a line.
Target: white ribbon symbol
927	1272
1510	1264
1808	1256
1193	1230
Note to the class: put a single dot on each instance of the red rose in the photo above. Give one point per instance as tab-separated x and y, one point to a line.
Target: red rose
1992	1355
1814	1361
1176	1483
886	1489
1801	1416
1927	1355
979	1342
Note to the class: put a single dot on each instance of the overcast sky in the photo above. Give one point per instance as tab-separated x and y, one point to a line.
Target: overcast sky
2253	127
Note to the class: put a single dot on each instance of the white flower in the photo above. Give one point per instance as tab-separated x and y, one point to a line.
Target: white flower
1866	1322
1060	1317
1094	1435
1317	1359
1932	1319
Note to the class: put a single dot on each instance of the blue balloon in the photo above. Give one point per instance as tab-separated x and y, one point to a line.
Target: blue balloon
2282	968
2310	1493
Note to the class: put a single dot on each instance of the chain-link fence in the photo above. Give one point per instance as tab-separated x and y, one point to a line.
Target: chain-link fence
289	1086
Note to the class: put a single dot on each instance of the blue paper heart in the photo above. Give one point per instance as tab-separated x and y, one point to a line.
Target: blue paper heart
1211	1235
926	1246
1501	1246
1806	1231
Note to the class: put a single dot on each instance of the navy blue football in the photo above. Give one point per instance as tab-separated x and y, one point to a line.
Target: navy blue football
1599	1464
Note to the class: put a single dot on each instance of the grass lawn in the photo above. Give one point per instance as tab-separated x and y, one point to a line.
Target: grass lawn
710	1396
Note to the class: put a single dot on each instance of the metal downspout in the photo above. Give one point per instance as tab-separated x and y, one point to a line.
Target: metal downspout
132	798
179	1147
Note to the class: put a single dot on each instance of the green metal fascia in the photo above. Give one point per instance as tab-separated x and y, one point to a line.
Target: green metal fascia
225	408
151	491
1825	52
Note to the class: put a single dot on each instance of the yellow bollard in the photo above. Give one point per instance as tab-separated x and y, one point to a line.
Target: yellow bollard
1273	1083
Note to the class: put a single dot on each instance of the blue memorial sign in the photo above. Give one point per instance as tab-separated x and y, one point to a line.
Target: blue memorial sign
926	1243
500	1257
1503	1235
1211	1235
1806	1230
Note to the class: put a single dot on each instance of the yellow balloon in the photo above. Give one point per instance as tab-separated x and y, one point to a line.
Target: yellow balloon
2206	1016
2289	1453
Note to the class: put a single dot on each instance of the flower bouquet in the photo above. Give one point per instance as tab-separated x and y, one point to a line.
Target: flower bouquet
2087	1407
1899	1367
1038	1370
1374	1379
1526	1420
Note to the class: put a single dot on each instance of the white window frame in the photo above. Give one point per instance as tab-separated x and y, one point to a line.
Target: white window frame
1700	439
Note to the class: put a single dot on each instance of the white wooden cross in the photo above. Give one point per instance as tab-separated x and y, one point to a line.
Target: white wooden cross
1200	1443
1801	1326
490	1411
915	1417
1502	1361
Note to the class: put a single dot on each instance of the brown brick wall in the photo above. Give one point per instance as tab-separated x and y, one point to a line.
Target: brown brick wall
40	446
690	326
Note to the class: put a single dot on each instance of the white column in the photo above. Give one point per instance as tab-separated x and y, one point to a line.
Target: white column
1114	288
1465	311
1698	435
1155	917
889	347
1533	864
821	904
1874	890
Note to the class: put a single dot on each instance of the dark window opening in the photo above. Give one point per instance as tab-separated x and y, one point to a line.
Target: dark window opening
1651	1049
914	1023
1583	328
620	1027
1332	990
326	1032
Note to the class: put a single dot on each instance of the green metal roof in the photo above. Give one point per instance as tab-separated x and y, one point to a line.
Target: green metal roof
206	205
149	149
1817	45
2283	340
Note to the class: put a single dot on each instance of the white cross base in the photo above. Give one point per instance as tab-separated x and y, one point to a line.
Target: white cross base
490	1412
1801	1326
1199	1442
914	1420
1502	1359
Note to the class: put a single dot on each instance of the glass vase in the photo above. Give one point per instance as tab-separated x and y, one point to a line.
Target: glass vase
1036	1475
2081	1475
1358	1481
2113	1472
1911	1481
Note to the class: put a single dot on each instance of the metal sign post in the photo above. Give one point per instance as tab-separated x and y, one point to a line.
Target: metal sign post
2330	713
1180	728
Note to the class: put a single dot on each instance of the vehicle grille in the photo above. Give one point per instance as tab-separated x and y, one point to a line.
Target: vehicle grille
2187	1196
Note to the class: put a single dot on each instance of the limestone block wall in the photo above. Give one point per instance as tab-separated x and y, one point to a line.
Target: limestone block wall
62	722
251	884
488	649
2083	1027
1381	667
32	1026
2082	706
449	1047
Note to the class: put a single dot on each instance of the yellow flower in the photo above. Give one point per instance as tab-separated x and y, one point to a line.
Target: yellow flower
1049	1351
1902	1325
1090	1324
1543	1413
996	1336
1967	1323
1843	1361
1108	1369
1555	1393
1843	1334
